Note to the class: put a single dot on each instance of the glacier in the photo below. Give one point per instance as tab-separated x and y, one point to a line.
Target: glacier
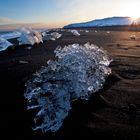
77	72
111	21
74	32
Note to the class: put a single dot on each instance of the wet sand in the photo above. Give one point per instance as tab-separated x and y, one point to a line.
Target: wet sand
119	119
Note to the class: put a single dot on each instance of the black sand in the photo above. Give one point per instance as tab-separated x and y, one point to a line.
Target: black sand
120	119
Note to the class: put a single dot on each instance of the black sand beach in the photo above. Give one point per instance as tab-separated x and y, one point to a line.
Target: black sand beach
119	119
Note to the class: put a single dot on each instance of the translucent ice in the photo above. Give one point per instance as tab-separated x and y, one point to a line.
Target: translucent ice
51	36
4	44
55	36
78	72
29	36
133	37
75	32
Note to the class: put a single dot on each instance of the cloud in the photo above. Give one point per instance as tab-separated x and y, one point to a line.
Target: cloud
6	20
76	10
16	26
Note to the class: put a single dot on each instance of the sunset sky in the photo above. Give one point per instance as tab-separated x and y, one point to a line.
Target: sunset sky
57	13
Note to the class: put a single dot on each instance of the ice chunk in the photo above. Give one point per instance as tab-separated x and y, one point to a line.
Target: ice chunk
38	36
44	33
133	37
55	36
4	44
87	31
78	72
51	36
75	32
30	36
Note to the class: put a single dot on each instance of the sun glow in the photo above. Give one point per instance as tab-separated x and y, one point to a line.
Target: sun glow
132	10
135	18
134	14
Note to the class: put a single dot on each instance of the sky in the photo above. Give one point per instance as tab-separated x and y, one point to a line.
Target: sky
57	13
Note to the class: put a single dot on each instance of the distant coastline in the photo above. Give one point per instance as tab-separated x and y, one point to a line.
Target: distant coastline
111	28
5	32
15	27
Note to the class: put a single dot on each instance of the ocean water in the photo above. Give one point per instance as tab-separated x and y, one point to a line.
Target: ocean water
14	34
9	34
5	32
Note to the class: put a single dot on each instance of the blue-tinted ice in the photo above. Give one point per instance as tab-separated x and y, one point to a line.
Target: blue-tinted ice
78	72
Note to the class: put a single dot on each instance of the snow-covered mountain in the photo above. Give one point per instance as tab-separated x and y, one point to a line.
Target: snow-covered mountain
111	21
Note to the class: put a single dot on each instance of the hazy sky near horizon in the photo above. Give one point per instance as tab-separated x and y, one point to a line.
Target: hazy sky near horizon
55	13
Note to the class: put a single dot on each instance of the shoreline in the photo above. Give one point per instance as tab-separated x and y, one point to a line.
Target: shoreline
87	118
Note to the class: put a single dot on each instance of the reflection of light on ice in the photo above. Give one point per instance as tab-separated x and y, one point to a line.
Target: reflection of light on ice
51	36
4	44
29	36
133	37
75	32
78	72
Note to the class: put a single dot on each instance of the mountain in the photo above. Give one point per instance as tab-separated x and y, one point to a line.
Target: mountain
111	21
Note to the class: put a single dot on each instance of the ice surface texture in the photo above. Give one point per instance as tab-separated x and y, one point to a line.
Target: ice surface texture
52	36
30	36
78	72
111	21
4	44
74	32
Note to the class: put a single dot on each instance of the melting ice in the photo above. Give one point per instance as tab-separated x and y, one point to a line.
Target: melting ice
78	72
